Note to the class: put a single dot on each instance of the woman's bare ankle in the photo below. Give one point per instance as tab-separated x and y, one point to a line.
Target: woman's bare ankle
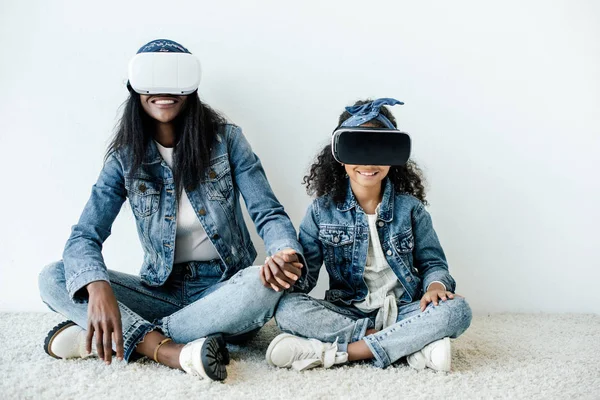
168	354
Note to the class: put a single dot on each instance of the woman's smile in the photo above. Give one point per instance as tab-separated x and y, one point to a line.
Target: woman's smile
163	107
163	101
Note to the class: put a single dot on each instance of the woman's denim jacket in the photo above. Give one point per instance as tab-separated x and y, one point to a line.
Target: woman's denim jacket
233	169
338	234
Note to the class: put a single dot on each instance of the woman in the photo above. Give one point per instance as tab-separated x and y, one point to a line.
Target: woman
182	167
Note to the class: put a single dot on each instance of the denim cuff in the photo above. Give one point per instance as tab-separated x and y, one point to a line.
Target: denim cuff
82	278
440	275
279	245
360	330
381	358
134	335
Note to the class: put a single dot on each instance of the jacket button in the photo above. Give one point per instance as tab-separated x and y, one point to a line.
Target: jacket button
336	239
202	212
212	174
389	252
380	223
409	279
142	188
216	236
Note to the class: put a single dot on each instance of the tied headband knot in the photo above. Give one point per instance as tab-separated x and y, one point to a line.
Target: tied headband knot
366	112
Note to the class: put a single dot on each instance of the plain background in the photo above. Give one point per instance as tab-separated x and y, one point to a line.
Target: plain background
502	102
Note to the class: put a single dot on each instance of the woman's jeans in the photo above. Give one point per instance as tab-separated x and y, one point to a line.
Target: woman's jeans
191	304
305	316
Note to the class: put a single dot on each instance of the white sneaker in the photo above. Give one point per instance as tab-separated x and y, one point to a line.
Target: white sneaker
287	351
205	358
436	355
66	340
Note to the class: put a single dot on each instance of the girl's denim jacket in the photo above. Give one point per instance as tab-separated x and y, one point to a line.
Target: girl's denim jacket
338	234
234	169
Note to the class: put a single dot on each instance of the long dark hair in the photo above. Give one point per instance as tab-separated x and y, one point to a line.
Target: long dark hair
328	177
196	128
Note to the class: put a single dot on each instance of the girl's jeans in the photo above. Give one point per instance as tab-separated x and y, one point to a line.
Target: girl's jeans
190	305
305	316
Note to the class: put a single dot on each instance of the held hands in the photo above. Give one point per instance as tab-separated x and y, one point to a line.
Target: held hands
435	293
281	271
104	320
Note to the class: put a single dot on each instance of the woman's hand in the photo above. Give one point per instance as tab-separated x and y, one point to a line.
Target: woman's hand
435	293
281	271
104	319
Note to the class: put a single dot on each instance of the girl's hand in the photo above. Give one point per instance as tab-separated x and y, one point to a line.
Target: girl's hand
435	293
281	271
104	319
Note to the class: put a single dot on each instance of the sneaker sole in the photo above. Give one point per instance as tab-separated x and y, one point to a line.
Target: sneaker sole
223	347
272	345
52	334
213	360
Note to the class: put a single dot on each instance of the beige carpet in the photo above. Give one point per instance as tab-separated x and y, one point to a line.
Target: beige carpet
541	356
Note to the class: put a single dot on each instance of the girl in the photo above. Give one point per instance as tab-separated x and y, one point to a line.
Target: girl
390	292
182	167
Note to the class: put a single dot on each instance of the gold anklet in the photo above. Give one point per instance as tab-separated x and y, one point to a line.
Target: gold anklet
158	347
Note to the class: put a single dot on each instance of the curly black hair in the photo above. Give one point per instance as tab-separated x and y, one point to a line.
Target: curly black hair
328	177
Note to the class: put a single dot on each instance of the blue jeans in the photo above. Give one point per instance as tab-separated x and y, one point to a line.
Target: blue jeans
191	304
302	315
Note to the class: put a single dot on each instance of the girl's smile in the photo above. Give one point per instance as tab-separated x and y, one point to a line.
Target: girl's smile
366	175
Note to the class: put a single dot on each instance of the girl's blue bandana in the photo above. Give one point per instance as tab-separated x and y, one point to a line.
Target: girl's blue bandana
366	112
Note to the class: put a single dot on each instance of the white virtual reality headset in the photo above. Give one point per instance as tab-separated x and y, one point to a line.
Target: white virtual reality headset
164	73
370	146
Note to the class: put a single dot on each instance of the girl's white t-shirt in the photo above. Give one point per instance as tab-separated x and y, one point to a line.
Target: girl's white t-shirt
191	241
384	287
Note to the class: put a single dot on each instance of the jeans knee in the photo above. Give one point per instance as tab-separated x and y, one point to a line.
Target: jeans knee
269	298
250	284
285	309
49	277
460	314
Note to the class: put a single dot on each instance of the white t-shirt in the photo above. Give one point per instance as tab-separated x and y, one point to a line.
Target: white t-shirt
384	287
383	284
191	241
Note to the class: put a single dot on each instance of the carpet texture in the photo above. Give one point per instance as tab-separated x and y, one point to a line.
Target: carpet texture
502	356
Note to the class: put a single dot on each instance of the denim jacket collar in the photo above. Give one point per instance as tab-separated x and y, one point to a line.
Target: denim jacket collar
152	155
385	208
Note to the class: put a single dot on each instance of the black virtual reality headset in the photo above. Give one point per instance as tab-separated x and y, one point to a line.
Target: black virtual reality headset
370	146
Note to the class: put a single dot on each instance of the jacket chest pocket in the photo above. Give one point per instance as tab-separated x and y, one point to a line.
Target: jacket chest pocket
403	245
144	196
218	179
338	243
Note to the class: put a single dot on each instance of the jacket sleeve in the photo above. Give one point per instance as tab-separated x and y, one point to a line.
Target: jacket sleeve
429	257
313	248
271	221
82	255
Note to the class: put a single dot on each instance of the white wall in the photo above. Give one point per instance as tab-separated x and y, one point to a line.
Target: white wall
502	101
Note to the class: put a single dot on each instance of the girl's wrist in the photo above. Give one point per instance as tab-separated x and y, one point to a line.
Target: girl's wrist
436	286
